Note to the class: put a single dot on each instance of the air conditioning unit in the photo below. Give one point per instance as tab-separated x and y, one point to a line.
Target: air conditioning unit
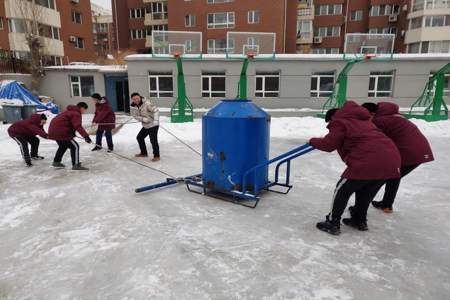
403	33
72	39
405	7
75	1
393	18
317	40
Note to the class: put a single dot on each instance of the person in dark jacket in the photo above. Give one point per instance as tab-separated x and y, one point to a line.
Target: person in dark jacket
412	144
24	132
370	156
62	129
105	118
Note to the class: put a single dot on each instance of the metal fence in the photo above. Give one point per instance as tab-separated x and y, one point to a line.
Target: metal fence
11	64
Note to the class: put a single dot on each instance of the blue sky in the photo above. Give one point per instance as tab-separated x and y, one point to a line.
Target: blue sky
104	3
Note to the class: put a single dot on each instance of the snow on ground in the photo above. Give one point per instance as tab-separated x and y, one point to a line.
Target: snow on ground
86	235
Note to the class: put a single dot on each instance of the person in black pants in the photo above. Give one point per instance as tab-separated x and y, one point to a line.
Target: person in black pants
24	132
148	114
62	129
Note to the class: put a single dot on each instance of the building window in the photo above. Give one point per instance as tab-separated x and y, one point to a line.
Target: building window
221	20
76	17
79	43
446	84
331	9
137	13
429	4
46	3
304	28
437	21
49	32
217	46
213	84
384	10
137	34
267	84
190	20
1	23
82	86
325	50
356	15
102	27
416	23
253	17
322	84
160	84
333	31
380	84
17	25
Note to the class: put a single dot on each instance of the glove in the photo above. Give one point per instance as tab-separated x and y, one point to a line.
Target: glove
88	140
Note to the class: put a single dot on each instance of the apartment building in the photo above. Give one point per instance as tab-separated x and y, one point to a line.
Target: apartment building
429	27
333	19
103	29
136	19
65	27
214	18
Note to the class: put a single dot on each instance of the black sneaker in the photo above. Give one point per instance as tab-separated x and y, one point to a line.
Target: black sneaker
58	165
110	150
37	157
361	226
96	148
79	167
332	227
29	164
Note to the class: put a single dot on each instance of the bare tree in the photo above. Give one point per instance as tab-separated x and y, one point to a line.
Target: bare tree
32	16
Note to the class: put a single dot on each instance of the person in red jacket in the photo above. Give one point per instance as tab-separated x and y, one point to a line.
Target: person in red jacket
62	129
412	144
370	156
24	132
105	118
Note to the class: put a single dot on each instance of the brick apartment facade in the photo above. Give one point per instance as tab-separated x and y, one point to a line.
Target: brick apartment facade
65	28
136	19
104	31
246	16
333	19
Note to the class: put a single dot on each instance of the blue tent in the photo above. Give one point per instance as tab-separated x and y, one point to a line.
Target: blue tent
12	93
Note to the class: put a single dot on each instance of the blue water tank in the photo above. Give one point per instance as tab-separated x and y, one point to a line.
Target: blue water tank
236	135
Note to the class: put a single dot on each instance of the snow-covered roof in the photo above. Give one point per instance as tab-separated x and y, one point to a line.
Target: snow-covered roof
321	57
93	68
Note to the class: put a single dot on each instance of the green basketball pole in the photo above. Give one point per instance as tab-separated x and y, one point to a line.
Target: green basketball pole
432	98
243	81
182	111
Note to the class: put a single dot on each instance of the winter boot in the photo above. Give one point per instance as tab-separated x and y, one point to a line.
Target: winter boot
79	167
37	157
331	226
58	165
29	164
110	150
156	158
96	148
141	155
380	205
362	226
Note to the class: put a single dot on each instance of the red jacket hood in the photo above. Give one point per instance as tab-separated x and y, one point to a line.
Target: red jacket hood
387	109
73	108
351	110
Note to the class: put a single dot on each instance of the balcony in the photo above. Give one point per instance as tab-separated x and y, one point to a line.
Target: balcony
155	19
154	1
18	42
427	34
46	16
305	38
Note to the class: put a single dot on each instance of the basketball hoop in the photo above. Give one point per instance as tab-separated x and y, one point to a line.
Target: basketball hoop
176	54
251	54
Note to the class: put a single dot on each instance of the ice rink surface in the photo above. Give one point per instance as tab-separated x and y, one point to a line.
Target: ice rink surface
86	235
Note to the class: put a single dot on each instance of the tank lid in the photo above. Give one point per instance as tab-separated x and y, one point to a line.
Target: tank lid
236	108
